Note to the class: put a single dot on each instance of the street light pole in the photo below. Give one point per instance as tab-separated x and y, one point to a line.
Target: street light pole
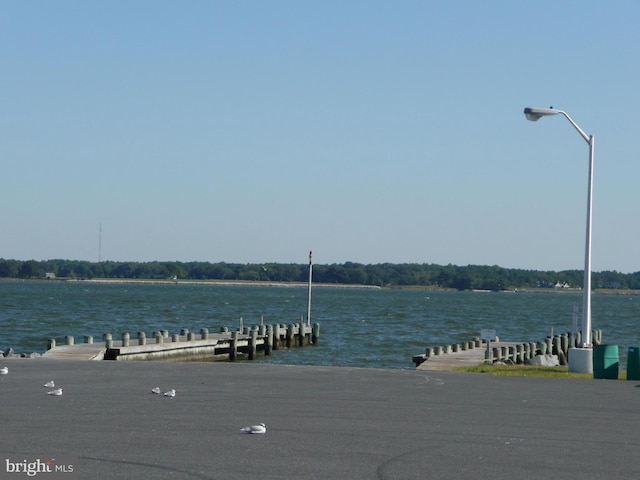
582	358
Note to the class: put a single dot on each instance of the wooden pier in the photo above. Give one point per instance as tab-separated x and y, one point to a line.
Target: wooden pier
188	346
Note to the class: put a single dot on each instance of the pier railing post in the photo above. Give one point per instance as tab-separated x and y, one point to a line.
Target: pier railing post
142	338
125	339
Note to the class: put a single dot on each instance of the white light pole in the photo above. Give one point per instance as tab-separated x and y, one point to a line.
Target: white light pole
580	359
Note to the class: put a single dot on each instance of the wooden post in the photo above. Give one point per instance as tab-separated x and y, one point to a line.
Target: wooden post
301	335
142	338
159	337
175	337
52	344
184	331
204	334
275	345
290	334
191	336
315	333
233	352
268	341
252	344
542	348
125	339
69	339
88	339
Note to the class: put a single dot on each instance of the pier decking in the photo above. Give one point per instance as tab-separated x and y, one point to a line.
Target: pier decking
186	346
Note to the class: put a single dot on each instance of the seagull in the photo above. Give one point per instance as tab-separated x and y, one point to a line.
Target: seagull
171	393
155	390
259	428
4	370
57	391
49	384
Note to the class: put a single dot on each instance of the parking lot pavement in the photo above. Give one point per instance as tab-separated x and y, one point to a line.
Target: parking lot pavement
322	422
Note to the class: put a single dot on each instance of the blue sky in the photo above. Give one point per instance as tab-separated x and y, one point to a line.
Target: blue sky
366	131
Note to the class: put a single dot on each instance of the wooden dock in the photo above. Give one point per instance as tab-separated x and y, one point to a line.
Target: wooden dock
188	346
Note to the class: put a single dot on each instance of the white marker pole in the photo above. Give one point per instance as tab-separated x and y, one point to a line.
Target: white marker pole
309	300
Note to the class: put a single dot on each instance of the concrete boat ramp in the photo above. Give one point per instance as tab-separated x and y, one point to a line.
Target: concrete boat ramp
469	357
479	351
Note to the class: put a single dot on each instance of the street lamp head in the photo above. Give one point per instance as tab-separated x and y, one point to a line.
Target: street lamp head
535	113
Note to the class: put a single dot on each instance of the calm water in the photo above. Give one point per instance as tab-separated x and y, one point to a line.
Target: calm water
358	327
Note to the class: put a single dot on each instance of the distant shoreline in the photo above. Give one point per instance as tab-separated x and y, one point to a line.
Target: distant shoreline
243	283
257	283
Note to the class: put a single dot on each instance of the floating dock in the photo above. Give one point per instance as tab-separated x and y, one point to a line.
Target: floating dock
189	346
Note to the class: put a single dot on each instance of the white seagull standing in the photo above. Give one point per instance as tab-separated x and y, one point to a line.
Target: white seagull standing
171	393
155	390
4	370
259	428
49	384
57	391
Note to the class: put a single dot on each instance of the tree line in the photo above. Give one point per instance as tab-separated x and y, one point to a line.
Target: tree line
383	274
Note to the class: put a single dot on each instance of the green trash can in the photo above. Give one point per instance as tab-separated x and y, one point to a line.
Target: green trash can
605	362
633	363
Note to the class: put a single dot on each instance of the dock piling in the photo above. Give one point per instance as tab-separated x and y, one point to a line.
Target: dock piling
233	351
252	344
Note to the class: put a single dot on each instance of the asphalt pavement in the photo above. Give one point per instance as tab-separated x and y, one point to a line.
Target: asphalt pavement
322	422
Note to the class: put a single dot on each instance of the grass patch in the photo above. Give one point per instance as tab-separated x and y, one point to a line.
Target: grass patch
528	371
